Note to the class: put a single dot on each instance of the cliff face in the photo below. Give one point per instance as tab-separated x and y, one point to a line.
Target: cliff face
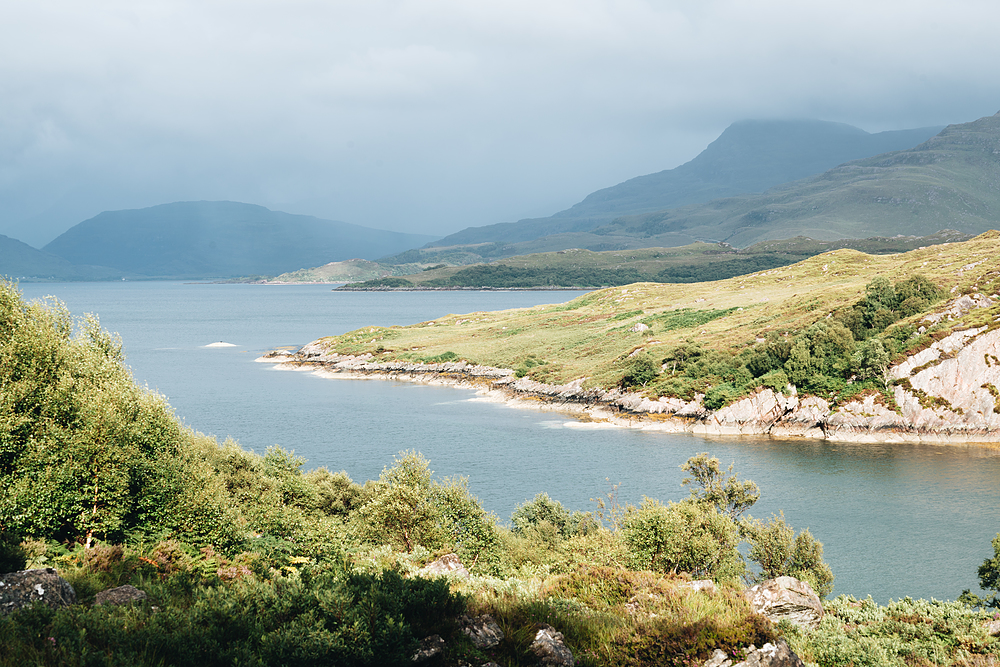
948	392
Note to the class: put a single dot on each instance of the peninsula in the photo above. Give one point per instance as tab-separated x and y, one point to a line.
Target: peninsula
841	346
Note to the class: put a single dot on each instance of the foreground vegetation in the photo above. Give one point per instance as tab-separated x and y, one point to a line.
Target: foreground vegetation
249	560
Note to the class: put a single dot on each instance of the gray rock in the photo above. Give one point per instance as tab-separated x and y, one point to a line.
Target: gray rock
448	564
430	647
993	627
705	585
550	649
786	598
483	630
126	594
24	588
718	659
772	655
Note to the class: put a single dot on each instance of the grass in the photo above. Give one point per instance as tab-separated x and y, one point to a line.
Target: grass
590	337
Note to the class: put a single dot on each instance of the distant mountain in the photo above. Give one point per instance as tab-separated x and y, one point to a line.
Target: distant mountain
19	261
750	156
220	239
950	181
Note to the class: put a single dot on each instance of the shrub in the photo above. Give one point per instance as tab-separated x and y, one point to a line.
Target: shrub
12	554
778	551
683	537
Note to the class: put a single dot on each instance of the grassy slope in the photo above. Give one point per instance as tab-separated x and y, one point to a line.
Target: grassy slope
590	337
348	271
568	268
951	180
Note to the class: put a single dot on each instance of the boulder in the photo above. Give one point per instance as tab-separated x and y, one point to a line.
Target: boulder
430	648
993	627
24	588
786	598
126	594
448	564
777	654
483	630
550	649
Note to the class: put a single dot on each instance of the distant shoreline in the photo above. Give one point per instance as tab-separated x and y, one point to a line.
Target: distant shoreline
765	414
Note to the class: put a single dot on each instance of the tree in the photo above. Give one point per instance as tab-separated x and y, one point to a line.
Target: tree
989	580
710	484
688	536
84	452
778	551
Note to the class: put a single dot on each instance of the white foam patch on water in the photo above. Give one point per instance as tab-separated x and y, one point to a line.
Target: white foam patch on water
584	426
221	344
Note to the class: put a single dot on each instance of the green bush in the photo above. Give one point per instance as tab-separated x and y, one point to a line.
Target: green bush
12	554
683	537
778	551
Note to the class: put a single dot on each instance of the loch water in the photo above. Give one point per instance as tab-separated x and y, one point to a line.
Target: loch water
896	520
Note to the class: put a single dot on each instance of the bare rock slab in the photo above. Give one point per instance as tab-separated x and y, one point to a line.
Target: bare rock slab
448	564
22	589
786	598
777	654
483	630
550	649
121	595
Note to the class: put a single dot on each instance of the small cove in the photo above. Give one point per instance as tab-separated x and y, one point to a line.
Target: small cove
896	520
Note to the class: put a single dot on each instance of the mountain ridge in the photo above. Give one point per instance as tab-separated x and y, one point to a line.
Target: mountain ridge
219	239
749	156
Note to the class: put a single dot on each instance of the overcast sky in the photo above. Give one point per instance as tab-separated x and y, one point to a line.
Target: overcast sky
434	115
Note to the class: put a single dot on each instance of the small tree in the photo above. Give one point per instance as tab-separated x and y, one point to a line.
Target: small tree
688	536
710	484
778	551
989	580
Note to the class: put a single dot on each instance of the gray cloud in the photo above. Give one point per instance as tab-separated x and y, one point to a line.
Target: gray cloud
434	115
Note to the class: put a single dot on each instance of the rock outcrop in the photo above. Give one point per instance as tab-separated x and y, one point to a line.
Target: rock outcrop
550	649
27	587
120	595
777	654
948	392
786	599
483	630
448	564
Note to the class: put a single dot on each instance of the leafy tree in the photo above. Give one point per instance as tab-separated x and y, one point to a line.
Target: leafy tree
688	536
989	580
405	507
710	484
778	551
84	452
641	370
871	360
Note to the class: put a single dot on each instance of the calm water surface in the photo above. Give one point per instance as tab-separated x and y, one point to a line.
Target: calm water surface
895	520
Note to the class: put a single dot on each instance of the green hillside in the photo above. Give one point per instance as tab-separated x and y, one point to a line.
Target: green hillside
219	239
697	262
750	156
594	336
950	181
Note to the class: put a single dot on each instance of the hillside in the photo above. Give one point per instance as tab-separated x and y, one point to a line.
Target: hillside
219	239
697	262
19	261
845	327
951	180
750	156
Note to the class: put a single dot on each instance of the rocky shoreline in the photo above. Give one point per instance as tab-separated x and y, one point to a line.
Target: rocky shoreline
948	393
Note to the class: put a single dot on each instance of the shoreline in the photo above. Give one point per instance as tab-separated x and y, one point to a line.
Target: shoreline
763	414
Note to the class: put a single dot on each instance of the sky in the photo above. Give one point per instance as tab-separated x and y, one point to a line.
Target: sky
430	116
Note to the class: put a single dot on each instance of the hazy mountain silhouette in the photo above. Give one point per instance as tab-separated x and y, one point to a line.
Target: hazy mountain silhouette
220	239
750	156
